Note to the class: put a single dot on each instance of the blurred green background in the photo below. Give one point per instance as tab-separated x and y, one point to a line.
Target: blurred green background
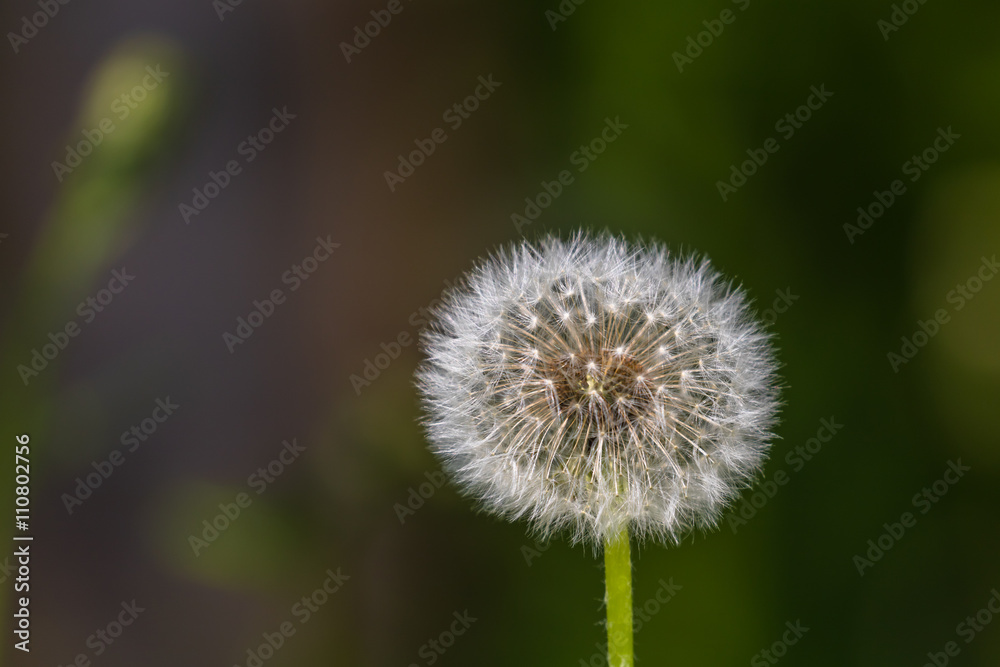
691	87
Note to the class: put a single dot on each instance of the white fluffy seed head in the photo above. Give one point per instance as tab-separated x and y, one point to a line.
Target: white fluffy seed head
593	385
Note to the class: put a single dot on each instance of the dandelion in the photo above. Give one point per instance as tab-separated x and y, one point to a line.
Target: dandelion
600	388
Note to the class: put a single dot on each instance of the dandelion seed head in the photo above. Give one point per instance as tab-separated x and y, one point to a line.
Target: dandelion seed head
590	385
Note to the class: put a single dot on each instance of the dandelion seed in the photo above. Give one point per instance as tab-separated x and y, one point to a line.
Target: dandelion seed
599	387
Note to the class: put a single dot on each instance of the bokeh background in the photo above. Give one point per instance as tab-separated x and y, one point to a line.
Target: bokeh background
847	300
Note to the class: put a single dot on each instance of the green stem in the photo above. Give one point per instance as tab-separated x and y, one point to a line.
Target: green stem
618	583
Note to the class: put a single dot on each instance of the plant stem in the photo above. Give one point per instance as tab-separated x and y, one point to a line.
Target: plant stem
618	584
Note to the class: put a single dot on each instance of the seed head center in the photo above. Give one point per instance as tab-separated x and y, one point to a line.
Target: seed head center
602	390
